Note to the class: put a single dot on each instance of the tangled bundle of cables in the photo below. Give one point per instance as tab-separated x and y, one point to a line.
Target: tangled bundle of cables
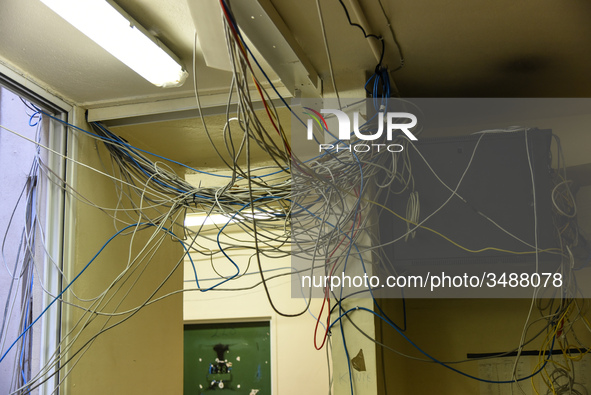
320	210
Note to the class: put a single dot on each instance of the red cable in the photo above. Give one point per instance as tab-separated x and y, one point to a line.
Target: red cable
327	294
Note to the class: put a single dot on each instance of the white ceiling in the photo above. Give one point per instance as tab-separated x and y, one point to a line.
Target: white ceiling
452	48
40	43
456	48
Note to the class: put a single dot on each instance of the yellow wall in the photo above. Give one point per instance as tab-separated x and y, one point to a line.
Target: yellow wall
144	354
297	367
448	329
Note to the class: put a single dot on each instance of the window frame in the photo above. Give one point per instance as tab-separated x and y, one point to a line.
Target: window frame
56	221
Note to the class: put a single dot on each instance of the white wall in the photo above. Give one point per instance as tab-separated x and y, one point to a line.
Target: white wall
297	367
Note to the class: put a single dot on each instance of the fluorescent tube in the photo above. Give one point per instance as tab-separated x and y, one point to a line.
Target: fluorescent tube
193	219
121	36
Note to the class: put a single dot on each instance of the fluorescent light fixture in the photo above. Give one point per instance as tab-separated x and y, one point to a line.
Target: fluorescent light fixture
194	220
111	28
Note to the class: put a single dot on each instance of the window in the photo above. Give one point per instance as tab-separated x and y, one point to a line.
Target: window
32	171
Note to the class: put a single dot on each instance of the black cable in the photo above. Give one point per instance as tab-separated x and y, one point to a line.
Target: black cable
255	232
401	65
470	357
379	38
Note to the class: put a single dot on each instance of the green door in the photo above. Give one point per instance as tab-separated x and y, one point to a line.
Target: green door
229	358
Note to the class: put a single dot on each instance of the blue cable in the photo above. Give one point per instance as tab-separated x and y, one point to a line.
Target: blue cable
389	321
117	140
121	142
230	220
23	334
246	274
68	286
130	146
258	64
351	243
376	79
443	363
34	122
226	224
137	165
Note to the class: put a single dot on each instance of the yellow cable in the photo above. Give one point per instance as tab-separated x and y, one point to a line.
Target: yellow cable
544	348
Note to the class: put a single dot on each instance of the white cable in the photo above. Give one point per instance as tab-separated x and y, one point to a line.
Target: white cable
537	269
329	58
